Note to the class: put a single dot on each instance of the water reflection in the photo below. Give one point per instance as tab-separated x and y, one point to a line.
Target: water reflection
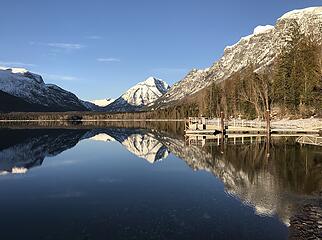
274	179
24	149
271	185
141	143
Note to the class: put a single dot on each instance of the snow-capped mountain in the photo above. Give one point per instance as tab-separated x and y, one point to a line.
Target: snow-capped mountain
142	94
103	102
259	49
20	85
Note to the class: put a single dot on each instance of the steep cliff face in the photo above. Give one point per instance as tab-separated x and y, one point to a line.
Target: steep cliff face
258	50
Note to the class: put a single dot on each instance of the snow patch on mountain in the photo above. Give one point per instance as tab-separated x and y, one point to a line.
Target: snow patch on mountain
257	30
14	70
102	137
102	102
262	29
300	13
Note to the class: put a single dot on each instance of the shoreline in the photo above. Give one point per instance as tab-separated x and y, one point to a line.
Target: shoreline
315	123
94	120
299	127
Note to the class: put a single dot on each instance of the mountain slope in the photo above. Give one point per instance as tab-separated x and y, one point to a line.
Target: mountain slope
142	94
30	88
258	50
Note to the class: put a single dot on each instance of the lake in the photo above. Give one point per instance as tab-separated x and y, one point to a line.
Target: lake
112	182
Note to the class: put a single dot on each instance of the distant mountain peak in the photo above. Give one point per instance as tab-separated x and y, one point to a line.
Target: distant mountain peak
150	80
155	81
145	92
142	94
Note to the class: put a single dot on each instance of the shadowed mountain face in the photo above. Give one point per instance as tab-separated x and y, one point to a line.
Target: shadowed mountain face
12	103
273	179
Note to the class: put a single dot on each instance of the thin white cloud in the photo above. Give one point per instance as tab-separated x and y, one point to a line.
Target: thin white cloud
108	60
16	64
54	77
94	37
59	45
66	46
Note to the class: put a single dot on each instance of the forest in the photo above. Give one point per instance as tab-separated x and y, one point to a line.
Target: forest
292	87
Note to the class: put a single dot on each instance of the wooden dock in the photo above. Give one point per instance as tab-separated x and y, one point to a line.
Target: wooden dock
205	126
237	139
310	140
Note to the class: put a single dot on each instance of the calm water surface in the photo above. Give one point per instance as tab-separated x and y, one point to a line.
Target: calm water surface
118	183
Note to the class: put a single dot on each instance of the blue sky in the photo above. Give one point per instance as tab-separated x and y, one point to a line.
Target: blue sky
99	49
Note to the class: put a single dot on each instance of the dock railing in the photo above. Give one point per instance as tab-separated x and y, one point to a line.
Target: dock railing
315	124
310	140
230	122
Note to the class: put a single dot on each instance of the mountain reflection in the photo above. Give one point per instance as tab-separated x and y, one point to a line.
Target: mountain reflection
140	142
24	149
273	179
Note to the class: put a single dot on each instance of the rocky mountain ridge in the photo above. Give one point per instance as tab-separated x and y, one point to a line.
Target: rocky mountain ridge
259	49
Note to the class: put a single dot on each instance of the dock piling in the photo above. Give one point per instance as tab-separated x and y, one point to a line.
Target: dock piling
222	123
268	122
